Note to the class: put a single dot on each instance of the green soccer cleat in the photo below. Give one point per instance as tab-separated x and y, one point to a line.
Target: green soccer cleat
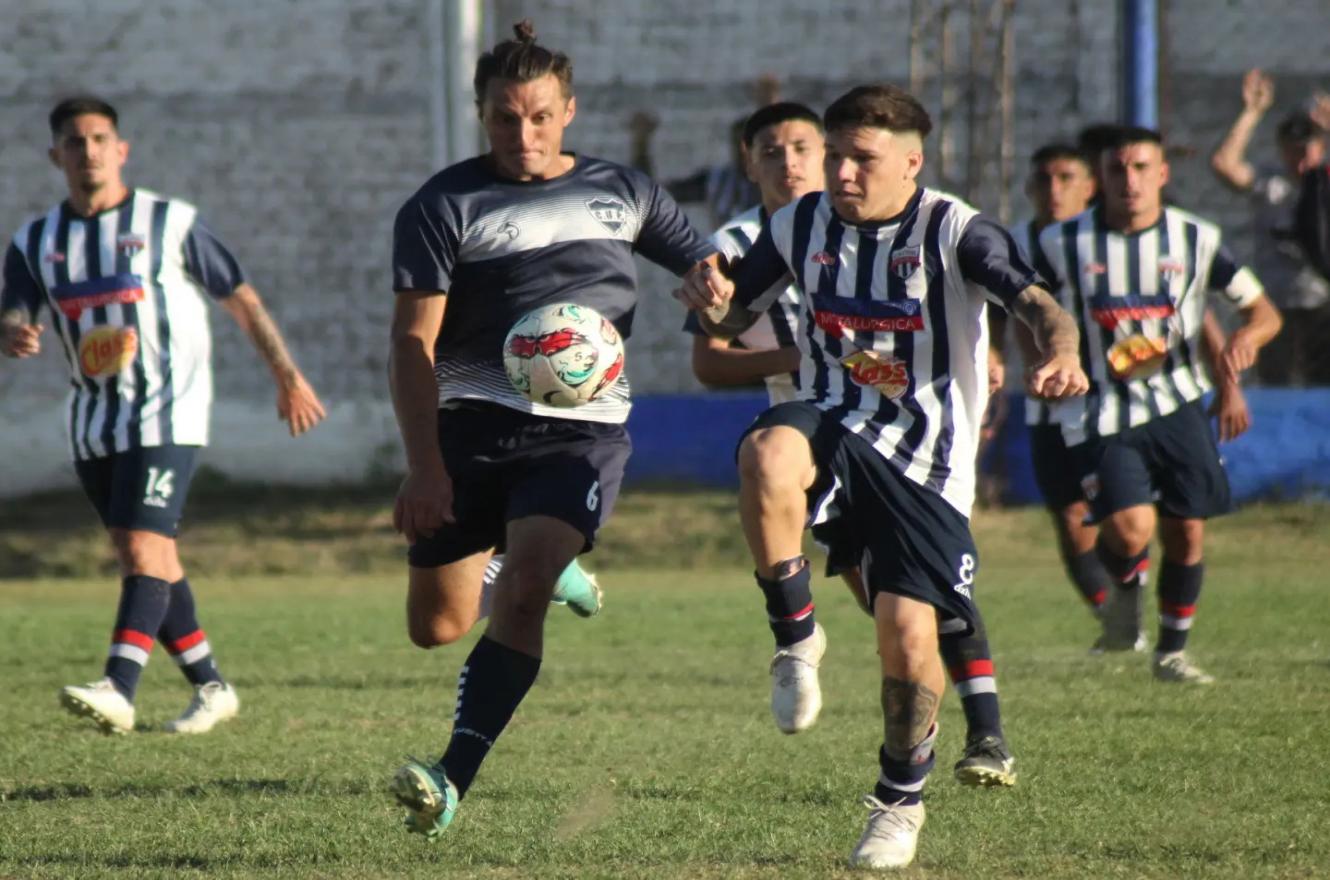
430	799
578	590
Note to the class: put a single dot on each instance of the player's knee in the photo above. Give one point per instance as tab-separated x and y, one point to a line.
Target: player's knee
772	457
435	631
146	553
526	591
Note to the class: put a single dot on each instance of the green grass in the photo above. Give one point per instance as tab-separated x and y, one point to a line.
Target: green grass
646	748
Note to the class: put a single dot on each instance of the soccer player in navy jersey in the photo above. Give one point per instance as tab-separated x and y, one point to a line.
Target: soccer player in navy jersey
1136	273
482	243
785	146
126	275
894	280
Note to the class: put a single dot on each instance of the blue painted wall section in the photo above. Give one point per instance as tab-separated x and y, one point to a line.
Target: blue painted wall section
689	440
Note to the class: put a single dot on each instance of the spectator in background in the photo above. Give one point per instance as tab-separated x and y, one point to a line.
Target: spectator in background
1293	358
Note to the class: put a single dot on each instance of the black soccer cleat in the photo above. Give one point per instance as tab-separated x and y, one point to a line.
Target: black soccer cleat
987	762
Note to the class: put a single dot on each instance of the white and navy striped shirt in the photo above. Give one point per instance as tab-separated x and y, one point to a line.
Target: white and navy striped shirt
1026	236
1149	285
778	327
125	288
895	337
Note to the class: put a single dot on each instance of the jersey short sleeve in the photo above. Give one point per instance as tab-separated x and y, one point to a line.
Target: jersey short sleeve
20	288
209	262
762	273
989	257
1238	284
424	248
666	237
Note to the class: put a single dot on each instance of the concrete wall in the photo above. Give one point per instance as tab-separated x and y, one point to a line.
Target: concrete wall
298	128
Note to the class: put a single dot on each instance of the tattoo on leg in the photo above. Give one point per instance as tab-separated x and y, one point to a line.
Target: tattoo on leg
788	568
908	709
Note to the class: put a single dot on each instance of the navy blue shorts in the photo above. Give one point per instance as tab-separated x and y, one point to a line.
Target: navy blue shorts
1171	462
140	489
1056	470
905	539
506	465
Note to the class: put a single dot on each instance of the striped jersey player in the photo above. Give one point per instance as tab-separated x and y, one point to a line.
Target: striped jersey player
894	280
126	277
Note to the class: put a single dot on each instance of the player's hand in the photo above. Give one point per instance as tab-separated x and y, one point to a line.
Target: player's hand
997	371
705	287
424	502
21	340
1258	90
1238	355
1230	410
1058	376
299	406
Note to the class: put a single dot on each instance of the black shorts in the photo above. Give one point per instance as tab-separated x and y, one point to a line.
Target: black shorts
905	539
1171	462
140	489
506	465
1055	469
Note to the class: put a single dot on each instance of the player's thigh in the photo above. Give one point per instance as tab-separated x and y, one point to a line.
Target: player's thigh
443	602
1186	467
784	443
538	549
907	635
1114	474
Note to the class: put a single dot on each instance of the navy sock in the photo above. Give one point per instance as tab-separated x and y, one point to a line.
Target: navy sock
789	601
970	667
143	603
493	682
1091	578
1129	572
1179	588
184	639
902	778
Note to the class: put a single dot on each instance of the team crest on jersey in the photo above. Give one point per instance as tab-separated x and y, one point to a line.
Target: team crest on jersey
904	261
1170	268
883	372
611	213
129	244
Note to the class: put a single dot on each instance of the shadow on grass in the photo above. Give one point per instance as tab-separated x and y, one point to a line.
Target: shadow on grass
62	791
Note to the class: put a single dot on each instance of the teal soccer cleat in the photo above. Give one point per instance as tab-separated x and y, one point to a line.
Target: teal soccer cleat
578	590
430	799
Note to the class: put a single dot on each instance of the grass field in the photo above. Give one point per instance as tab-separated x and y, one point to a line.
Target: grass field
646	748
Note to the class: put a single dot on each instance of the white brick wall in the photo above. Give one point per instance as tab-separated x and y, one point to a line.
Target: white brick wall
298	128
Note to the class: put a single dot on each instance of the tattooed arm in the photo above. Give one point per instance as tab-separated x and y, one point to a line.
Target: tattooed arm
1058	374
297	403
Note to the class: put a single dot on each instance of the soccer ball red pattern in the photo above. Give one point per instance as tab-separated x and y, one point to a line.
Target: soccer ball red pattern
563	355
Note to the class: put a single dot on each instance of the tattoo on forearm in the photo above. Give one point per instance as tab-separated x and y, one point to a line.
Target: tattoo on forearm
268	340
1053	329
908	709
13	317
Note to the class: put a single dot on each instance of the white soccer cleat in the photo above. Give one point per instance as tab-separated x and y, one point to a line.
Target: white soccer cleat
891	837
100	701
213	703
796	696
1177	669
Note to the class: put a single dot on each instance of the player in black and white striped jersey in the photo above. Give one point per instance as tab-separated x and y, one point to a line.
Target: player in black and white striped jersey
893	383
126	275
1136	273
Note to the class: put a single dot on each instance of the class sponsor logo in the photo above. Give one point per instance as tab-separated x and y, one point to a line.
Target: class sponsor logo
73	298
1095	269
1110	311
885	373
903	262
612	213
105	351
824	258
1136	357
129	244
54	257
837	316
1170	268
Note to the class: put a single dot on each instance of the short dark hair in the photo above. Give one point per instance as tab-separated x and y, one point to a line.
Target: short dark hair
81	105
1093	139
1298	128
521	60
1053	152
775	114
1132	134
878	106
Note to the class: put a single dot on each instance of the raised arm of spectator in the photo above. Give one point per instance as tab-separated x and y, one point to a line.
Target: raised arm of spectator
1229	160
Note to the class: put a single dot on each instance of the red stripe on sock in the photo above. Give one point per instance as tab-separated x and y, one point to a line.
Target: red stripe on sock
800	615
132	637
1177	610
184	644
970	669
1142	566
1099	598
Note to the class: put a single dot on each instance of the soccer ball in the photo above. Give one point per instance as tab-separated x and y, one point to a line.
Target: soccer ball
563	355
